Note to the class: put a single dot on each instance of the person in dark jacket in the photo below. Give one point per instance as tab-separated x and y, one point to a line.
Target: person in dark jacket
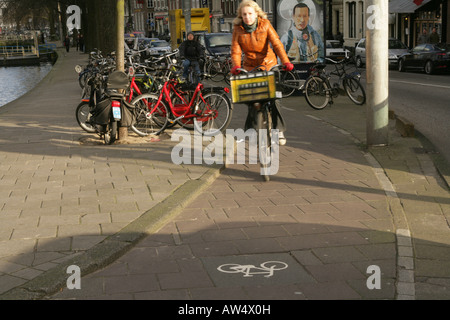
67	43
191	51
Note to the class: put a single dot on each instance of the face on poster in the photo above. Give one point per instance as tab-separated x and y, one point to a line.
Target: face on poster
300	25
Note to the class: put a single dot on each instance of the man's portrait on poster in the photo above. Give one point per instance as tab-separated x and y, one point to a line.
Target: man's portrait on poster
300	26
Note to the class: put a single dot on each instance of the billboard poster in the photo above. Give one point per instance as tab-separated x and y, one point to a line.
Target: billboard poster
300	25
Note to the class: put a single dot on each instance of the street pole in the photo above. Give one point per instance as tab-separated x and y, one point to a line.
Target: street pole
377	69
187	15
120	55
61	36
120	51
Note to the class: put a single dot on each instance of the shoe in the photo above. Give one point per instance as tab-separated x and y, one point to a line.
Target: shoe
281	139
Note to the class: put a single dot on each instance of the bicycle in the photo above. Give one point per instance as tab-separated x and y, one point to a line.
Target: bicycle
259	89
106	106
319	92
288	82
208	110
219	68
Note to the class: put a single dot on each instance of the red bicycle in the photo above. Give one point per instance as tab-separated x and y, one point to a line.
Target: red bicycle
207	110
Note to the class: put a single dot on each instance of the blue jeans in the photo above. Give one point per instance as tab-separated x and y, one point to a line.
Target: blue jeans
187	63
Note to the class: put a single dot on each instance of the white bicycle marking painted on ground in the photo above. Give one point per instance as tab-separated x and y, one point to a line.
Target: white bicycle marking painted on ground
249	270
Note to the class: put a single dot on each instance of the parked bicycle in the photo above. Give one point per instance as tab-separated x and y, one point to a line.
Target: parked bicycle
319	91
218	67
209	107
106	107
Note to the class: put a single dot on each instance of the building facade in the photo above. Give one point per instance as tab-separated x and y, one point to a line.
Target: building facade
406	17
411	17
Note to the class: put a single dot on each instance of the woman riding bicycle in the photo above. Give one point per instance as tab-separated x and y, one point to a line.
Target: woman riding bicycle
252	35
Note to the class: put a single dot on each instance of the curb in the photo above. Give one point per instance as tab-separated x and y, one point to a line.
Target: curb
115	245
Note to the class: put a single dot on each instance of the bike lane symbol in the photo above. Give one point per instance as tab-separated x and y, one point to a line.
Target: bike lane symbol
267	268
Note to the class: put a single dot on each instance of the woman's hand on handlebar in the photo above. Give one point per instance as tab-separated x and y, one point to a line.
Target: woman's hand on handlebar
235	70
288	66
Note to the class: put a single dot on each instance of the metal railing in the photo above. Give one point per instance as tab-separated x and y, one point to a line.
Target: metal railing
17	51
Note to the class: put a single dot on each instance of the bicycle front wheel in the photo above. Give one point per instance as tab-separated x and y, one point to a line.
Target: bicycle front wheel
215	70
151	116
263	127
355	90
213	114
317	92
287	83
83	115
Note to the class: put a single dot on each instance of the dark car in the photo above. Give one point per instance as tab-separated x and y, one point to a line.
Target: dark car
215	43
426	57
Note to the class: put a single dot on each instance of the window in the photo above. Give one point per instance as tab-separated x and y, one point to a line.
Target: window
351	19
362	44
419	48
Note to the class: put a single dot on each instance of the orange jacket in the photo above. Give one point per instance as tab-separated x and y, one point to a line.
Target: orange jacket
256	47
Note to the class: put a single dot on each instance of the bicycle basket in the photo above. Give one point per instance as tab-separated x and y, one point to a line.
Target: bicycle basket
252	87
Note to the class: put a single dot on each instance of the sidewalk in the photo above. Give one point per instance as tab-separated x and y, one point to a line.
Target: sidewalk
64	194
332	212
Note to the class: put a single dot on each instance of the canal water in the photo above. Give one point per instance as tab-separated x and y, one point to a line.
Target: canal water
16	81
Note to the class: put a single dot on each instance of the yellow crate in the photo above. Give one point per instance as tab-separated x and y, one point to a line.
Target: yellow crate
252	87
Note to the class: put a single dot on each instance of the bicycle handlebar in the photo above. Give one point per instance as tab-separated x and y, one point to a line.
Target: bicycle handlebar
277	66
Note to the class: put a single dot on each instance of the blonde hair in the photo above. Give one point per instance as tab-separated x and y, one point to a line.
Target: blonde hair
249	3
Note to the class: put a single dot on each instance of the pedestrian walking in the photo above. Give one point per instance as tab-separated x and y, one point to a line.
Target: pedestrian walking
67	43
81	43
78	41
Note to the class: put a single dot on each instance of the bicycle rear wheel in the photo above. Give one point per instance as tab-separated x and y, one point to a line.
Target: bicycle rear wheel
317	92
263	127
151	117
213	114
110	135
355	90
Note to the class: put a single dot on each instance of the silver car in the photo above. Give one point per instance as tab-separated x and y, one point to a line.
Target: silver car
159	47
396	49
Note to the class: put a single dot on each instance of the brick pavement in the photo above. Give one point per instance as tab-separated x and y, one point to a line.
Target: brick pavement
334	209
62	192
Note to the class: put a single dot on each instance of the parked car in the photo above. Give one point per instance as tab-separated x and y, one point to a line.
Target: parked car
158	47
335	51
427	57
395	47
145	42
215	43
